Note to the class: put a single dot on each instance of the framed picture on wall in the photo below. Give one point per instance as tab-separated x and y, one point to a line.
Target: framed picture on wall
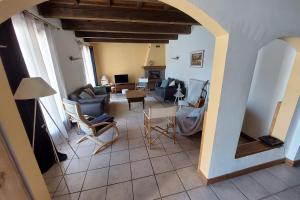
197	59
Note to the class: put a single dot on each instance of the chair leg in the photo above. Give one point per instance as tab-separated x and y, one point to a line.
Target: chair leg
82	139
102	146
174	130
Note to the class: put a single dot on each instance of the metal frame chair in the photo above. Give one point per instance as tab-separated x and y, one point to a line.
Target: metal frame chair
150	123
72	108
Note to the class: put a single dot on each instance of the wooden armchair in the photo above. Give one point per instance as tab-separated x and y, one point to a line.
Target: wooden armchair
157	116
90	126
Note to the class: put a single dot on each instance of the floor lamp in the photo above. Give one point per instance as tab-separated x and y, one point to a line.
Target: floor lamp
35	88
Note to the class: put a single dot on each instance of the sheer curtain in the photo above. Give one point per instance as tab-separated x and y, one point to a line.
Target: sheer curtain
37	47
88	65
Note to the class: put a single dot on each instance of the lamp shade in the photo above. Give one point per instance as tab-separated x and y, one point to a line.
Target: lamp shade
104	80
32	88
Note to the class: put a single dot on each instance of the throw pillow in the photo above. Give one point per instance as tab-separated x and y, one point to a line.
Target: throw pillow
90	92
100	90
172	83
195	113
84	95
164	84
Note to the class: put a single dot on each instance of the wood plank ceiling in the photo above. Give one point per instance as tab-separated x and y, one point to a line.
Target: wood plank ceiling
129	21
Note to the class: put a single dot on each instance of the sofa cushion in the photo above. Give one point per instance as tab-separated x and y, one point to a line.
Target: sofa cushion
100	90
172	83
164	84
102	118
90	92
85	95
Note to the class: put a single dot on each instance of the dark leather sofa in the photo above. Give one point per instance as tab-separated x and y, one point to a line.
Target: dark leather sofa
95	106
168	92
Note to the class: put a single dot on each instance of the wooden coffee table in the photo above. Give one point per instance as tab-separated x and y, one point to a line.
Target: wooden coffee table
135	96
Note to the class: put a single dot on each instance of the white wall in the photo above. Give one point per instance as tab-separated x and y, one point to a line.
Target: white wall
73	71
271	74
292	145
180	69
251	25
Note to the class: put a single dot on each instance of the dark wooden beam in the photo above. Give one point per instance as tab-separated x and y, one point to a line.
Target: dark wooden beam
125	40
126	35
104	26
108	2
52	10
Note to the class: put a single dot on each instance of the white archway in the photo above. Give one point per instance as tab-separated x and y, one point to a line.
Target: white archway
29	166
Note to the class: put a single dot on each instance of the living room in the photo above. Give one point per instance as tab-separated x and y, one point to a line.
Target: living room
89	119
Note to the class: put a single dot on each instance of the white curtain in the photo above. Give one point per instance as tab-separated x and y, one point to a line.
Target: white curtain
88	65
37	47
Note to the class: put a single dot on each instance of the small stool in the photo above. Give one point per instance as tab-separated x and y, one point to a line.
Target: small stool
124	91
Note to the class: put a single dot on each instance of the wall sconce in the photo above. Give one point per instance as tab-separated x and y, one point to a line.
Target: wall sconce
175	58
72	58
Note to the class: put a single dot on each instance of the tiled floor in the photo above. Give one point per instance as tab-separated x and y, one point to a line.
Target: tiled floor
130	170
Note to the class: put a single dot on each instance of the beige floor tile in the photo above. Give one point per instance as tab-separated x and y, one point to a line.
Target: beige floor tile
78	165
95	194
52	183
180	196
190	177
55	170
136	142
138	154
270	182
85	151
96	178
172	148
119	173
156	150
145	189
74	182
288	195
119	157
134	133
120	191
285	173
249	187
297	189
203	193
194	156
225	190
161	164
73	196
141	168
188	145
180	160
99	161
169	183
120	145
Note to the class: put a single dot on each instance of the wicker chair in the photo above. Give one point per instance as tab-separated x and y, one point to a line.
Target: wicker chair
90	126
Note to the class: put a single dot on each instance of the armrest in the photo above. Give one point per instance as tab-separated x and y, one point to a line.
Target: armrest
90	101
101	124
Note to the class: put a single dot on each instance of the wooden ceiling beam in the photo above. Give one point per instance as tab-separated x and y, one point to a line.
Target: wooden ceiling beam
125	40
136	36
52	10
124	27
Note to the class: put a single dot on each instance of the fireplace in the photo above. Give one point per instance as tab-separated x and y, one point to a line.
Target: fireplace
154	74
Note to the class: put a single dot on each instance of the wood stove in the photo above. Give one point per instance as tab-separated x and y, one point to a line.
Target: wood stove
154	74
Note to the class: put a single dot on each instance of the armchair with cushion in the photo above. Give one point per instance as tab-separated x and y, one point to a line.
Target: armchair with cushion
166	89
93	101
92	127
